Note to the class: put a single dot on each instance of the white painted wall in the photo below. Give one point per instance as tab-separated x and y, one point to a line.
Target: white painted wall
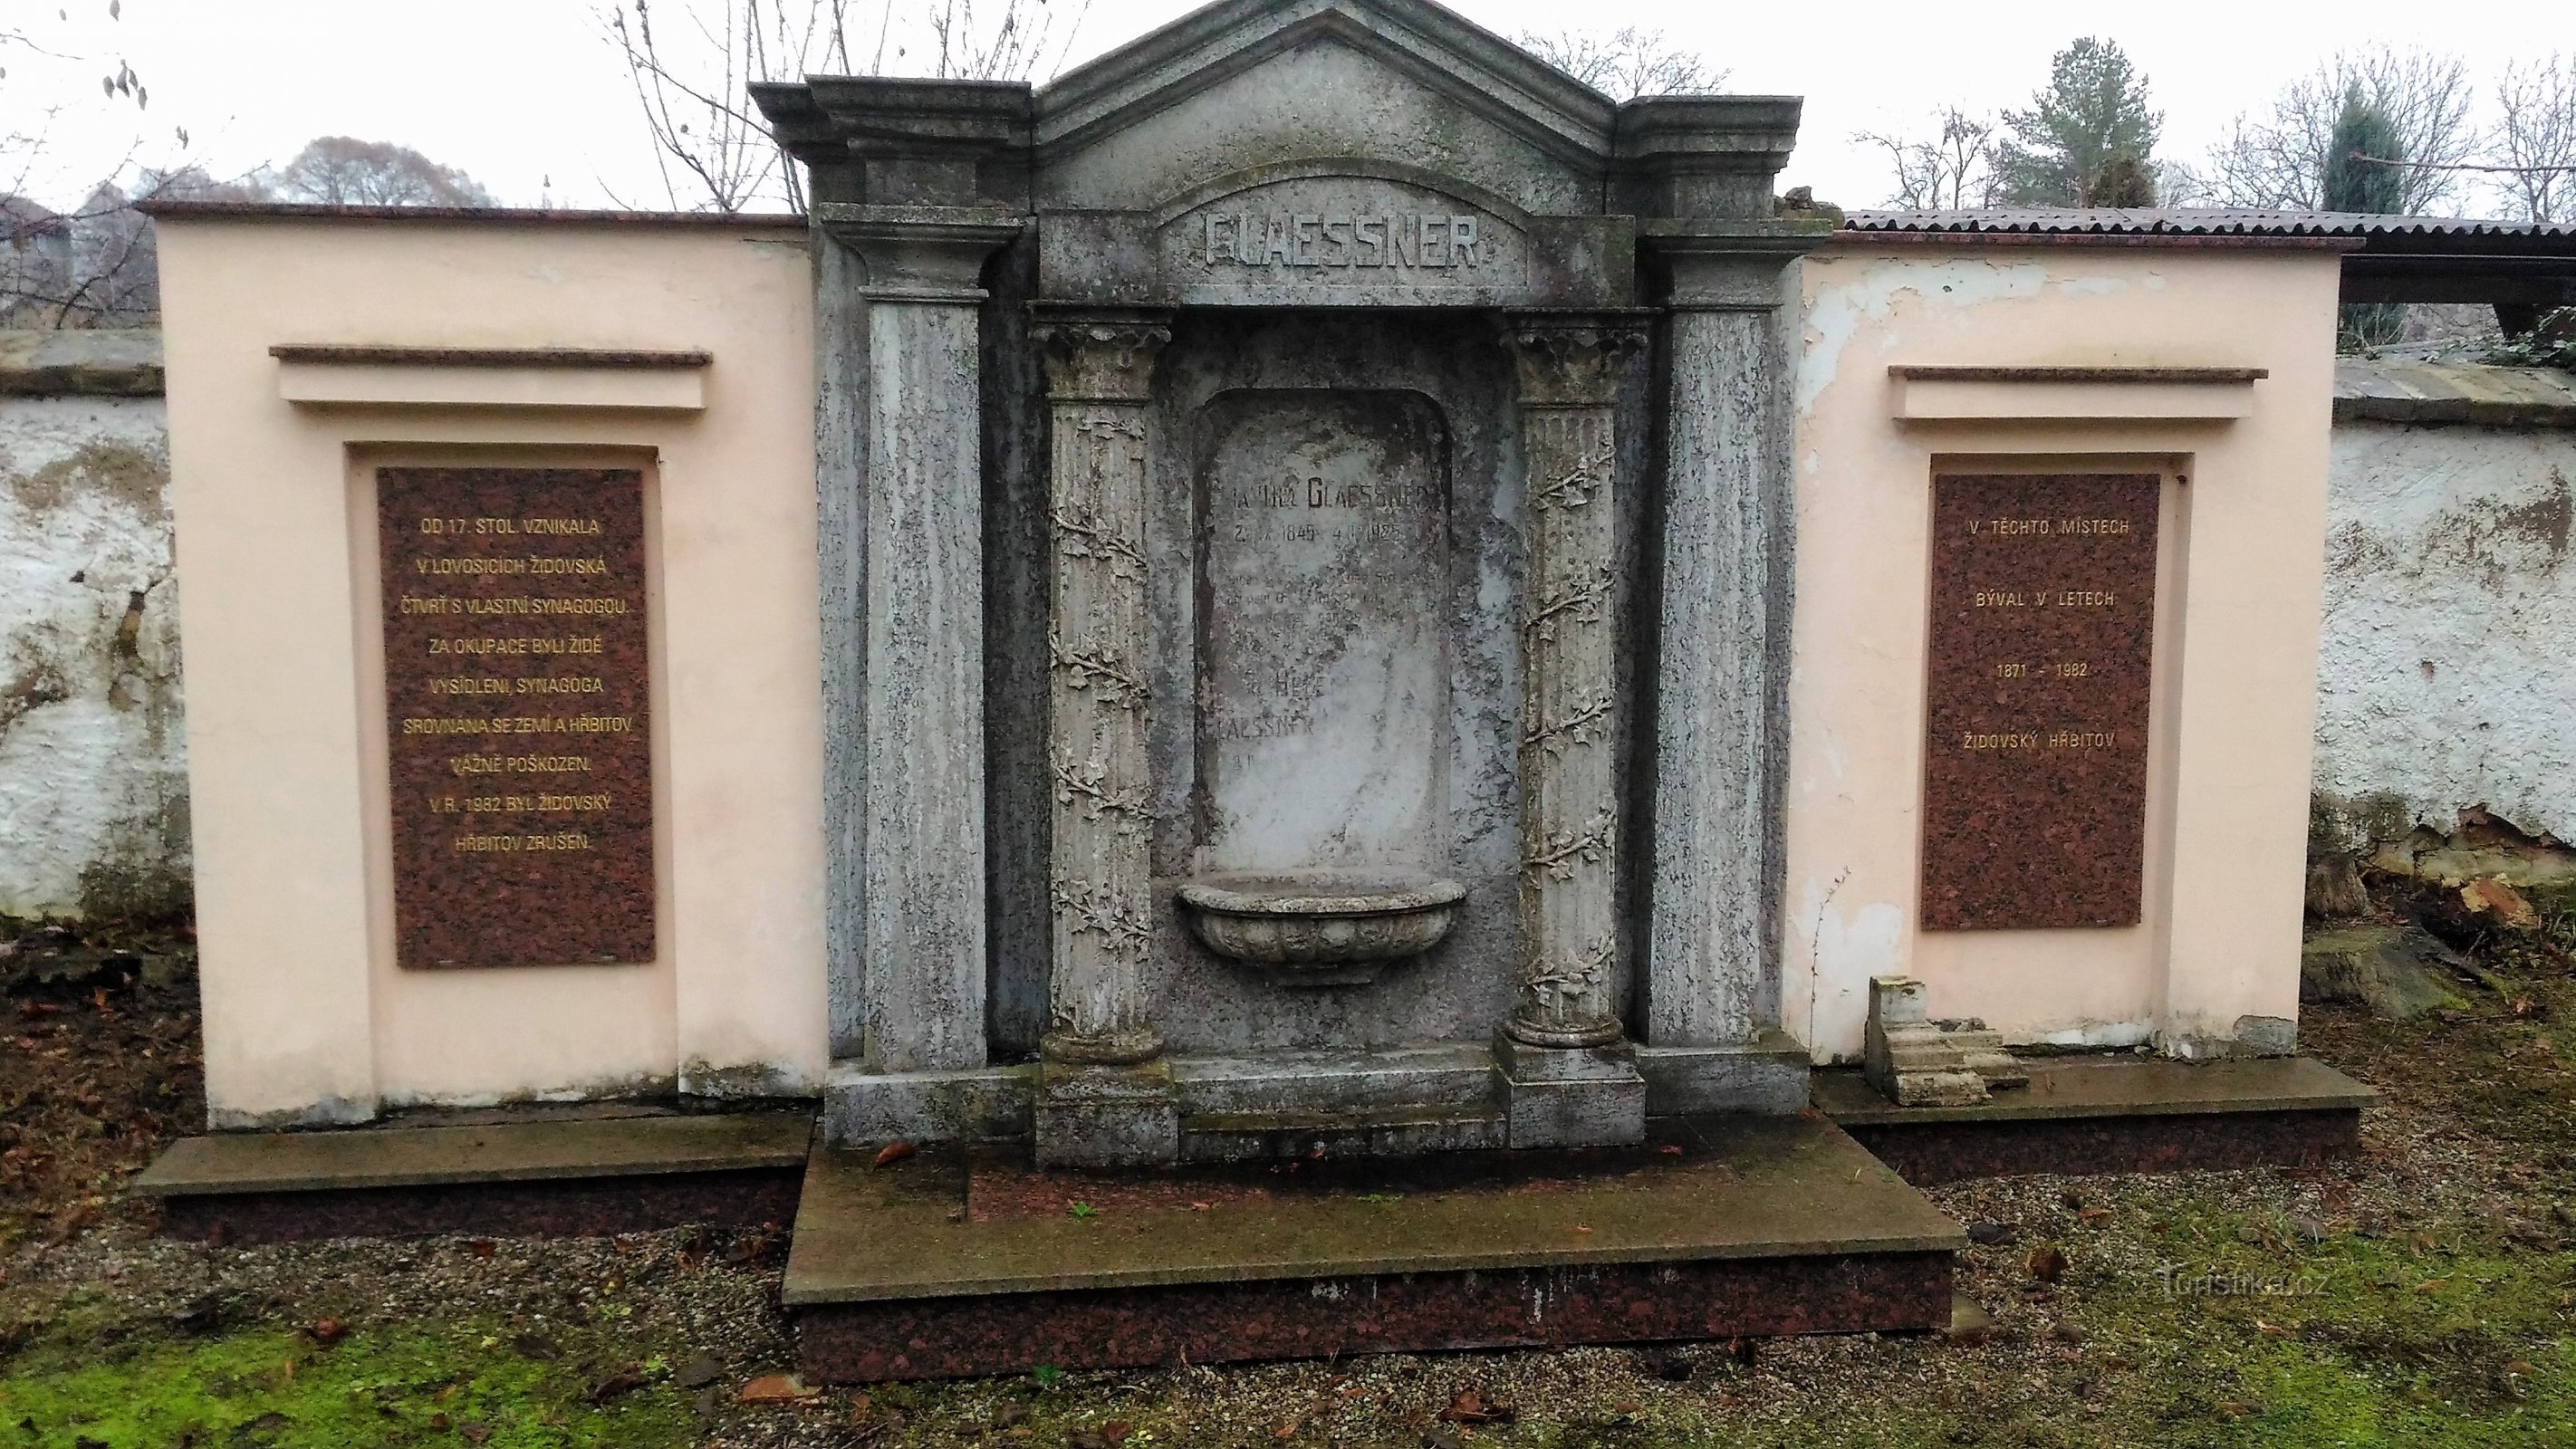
93	765
2448	668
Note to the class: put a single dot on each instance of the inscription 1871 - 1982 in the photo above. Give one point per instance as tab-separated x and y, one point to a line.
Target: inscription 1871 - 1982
516	696
2043	631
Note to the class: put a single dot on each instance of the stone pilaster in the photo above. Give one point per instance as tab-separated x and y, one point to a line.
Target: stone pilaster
1105	1097
1721	726
904	678
1561	1058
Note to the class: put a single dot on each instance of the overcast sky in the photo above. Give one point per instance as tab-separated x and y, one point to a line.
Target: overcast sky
527	97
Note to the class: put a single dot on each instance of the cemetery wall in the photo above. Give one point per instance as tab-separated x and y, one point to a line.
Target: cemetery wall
310	1015
2225	727
93	761
2450	603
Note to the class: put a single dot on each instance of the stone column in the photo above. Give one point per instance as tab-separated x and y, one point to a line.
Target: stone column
1105	1093
1566	1072
1721	725
906	745
1719	729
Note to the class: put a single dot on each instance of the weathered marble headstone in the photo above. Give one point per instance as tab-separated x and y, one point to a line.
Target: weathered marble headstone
1316	350
1323	580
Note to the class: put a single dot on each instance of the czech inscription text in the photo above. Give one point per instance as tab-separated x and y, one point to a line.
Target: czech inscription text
516	697
2043	620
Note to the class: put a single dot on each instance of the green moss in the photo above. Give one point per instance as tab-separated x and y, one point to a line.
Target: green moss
267	1386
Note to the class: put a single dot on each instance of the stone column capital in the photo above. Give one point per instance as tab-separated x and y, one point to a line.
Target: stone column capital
1725	266
920	253
1573	359
1094	356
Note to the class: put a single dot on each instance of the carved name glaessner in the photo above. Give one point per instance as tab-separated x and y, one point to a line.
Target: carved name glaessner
1316	239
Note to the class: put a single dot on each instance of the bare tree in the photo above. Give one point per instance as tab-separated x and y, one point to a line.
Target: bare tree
1947	171
1626	63
2281	159
2535	137
692	63
1019	39
92	264
345	171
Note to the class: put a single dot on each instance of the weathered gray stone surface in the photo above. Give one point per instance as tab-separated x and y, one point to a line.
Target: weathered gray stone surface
1265	373
1721	725
986	1104
841	413
920	887
1321	549
1570	370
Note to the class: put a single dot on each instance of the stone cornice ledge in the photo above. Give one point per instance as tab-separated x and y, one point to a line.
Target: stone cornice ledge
318	374
2111	394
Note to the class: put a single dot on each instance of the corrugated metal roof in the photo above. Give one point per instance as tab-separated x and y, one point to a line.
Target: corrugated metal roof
2193	221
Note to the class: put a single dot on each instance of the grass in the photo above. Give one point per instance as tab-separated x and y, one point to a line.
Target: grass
446	1384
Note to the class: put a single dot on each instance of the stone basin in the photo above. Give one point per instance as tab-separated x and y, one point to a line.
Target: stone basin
1321	927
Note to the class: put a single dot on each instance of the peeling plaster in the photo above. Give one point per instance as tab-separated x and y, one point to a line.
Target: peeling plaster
2449	603
1838	312
93	788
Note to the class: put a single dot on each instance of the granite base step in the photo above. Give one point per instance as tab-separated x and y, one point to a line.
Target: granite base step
544	1176
965	1261
2091	1114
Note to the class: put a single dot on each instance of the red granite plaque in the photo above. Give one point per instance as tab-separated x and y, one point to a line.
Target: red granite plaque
515	696
2035	772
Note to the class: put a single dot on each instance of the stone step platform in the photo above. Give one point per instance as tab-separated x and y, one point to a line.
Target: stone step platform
965	1261
503	1175
2095	1114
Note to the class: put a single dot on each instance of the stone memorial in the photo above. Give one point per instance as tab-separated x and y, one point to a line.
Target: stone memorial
1237	604
1332	478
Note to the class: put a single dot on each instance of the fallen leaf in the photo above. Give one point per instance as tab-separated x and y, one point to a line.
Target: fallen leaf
1470	1408
1200	1207
1669	1150
1289	1429
893	1152
480	1247
2047	1262
616	1386
2431	1285
2274	1330
1116	1432
775	1389
2093	1214
1578	1227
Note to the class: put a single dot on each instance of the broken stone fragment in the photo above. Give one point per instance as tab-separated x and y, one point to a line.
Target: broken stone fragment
1915	1061
1907	1057
2397	974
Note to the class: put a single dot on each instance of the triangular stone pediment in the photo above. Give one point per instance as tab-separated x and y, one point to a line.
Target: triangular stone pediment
1257	83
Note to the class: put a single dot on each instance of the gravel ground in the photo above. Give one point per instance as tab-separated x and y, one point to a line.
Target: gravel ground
2466	1161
